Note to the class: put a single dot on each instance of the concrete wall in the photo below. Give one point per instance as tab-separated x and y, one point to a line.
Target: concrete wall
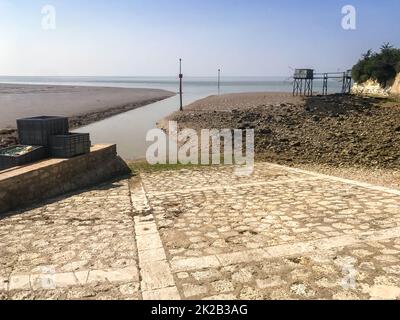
26	185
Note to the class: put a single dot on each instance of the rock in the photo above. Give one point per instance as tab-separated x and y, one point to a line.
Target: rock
7	131
370	87
246	125
316	118
295	144
265	131
8	141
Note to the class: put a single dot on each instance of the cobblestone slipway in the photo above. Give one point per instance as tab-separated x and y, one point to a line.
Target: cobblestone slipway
281	233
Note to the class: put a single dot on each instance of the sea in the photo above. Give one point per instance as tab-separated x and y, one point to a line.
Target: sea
128	130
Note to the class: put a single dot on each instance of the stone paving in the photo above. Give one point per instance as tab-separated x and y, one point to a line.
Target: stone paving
78	247
281	233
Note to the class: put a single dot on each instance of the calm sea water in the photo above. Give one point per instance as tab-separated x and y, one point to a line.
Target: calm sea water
128	130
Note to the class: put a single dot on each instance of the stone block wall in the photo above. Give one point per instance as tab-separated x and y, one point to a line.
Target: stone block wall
30	184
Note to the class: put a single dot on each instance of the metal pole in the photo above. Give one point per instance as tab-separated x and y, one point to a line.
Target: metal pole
344	83
325	85
294	85
180	85
219	81
301	86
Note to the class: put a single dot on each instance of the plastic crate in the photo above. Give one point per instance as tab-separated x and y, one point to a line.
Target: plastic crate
69	145
9	161
37	130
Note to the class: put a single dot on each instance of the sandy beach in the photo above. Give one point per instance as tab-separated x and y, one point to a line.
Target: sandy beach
84	105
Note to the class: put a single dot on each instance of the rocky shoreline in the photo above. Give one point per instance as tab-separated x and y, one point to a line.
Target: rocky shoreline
8	137
334	130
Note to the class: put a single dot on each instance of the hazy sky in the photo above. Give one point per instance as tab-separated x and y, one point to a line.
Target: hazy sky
146	37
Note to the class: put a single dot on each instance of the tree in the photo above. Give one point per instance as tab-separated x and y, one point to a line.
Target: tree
386	46
382	66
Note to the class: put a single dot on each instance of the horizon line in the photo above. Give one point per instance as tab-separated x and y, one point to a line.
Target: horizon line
142	76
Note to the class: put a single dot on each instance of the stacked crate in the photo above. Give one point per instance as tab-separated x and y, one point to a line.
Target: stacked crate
69	145
47	136
53	133
37	130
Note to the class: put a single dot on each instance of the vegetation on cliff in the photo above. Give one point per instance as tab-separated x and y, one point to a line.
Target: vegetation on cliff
382	67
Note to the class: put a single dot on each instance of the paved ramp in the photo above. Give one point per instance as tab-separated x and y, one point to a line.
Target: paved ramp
281	233
208	234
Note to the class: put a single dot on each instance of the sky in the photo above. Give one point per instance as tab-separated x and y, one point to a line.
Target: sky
147	37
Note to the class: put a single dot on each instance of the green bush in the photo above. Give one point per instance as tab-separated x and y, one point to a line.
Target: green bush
382	66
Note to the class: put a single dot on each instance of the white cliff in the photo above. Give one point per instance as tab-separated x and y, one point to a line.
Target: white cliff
395	90
372	87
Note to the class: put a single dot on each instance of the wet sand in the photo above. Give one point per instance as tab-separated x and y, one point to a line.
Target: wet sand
17	101
84	105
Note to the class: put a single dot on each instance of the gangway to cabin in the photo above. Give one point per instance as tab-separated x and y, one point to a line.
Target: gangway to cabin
303	81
